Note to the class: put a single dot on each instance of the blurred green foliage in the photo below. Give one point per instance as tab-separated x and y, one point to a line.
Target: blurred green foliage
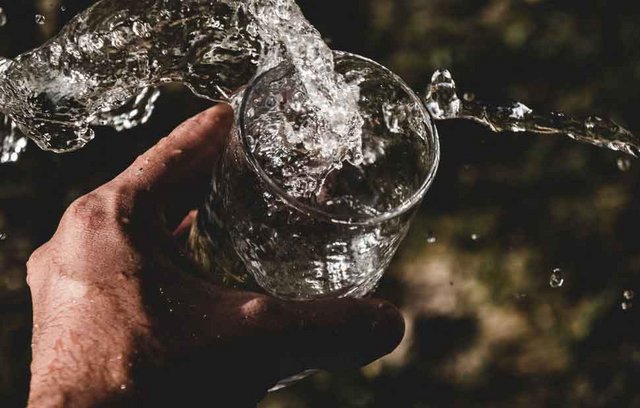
484	327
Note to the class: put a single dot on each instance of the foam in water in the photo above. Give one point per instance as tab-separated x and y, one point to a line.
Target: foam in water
443	103
102	66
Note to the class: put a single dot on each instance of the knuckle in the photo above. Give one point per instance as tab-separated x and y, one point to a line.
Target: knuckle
40	267
98	209
37	257
261	307
90	209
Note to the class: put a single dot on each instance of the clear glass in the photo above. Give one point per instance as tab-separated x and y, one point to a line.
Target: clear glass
339	242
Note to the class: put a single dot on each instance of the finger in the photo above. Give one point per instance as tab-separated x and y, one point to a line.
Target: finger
326	334
344	333
177	171
183	229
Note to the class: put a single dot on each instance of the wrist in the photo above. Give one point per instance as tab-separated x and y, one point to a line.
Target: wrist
79	363
81	375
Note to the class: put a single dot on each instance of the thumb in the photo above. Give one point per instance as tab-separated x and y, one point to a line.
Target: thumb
177	171
341	333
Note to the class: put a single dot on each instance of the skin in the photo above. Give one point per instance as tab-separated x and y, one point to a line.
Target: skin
121	319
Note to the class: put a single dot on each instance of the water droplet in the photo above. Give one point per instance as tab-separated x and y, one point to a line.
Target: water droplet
626	305
556	280
40	19
3	18
629	294
441	98
141	29
519	111
475	237
624	164
270	102
431	238
63	8
469	96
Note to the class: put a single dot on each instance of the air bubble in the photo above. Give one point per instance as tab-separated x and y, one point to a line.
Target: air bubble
40	19
628	294
431	238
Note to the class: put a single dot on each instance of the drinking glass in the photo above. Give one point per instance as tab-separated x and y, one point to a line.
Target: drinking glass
252	233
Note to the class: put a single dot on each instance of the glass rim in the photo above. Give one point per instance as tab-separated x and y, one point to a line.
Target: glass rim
318	213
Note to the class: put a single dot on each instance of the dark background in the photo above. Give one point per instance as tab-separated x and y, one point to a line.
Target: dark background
484	326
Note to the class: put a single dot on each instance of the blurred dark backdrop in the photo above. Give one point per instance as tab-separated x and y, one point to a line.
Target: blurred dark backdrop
484	326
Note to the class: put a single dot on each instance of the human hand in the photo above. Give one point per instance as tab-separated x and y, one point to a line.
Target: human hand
121	319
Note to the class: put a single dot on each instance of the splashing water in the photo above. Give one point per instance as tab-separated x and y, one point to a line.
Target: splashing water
443	103
103	66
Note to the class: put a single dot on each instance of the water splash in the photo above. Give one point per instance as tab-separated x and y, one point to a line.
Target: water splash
443	103
101	67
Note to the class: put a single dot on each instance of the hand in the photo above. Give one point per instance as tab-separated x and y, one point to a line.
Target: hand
121	319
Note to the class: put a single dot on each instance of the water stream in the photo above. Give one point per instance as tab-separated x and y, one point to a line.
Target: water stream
101	69
104	66
443	103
